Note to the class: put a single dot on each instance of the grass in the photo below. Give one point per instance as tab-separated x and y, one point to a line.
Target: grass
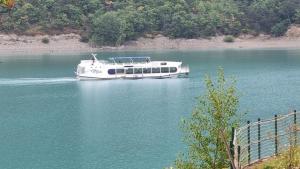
289	159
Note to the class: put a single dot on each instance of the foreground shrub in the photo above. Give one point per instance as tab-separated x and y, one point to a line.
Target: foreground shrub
208	129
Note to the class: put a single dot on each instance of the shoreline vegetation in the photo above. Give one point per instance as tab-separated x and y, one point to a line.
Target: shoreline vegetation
12	44
143	25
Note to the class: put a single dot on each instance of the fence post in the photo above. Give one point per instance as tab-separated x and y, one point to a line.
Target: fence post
276	135
249	155
295	125
232	147
258	138
239	156
235	150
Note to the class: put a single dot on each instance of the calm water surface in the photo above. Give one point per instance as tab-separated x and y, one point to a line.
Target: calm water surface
50	120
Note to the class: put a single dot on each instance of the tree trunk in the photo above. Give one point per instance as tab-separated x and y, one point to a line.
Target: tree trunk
227	149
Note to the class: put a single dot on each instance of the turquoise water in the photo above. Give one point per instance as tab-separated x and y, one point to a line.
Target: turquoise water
48	119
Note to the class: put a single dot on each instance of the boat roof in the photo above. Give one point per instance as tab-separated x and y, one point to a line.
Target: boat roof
130	59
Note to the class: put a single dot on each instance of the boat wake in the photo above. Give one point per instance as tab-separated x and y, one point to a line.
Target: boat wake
35	81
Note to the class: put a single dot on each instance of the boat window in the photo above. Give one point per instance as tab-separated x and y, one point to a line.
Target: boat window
137	70
173	69
163	63
146	70
165	70
129	71
155	70
111	71
95	71
120	71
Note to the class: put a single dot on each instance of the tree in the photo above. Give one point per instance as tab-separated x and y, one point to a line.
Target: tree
7	3
91	6
108	29
24	17
74	15
134	22
218	17
269	15
207	131
297	16
280	28
176	20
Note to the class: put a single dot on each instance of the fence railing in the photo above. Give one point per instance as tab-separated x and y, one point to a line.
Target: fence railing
265	138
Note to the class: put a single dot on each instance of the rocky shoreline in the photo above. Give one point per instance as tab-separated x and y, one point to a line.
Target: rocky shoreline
11	44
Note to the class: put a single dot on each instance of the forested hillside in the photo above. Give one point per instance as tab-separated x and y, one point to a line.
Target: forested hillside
113	22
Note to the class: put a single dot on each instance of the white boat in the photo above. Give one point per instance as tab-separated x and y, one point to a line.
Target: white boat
129	68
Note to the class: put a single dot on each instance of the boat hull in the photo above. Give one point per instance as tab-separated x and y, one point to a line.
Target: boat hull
180	75
103	70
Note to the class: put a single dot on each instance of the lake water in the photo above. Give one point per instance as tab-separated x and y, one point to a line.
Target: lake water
50	120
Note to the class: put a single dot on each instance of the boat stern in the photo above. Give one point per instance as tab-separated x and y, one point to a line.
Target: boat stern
184	71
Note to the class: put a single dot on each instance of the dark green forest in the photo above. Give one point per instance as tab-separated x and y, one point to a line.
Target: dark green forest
105	22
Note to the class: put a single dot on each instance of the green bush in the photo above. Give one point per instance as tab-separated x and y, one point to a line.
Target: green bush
297	17
254	33
45	40
84	39
228	39
280	28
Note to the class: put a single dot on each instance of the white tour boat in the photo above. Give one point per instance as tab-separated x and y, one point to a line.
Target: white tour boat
129	68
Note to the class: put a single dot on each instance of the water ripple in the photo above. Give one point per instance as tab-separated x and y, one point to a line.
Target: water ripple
35	81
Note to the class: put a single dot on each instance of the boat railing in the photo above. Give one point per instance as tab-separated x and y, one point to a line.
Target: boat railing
127	63
131	60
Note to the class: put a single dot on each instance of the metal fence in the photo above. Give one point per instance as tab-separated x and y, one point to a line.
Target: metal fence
264	138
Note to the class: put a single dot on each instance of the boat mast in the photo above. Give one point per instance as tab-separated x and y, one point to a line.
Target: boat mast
94	56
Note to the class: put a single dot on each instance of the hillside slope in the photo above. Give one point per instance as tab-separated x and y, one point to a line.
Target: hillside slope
112	23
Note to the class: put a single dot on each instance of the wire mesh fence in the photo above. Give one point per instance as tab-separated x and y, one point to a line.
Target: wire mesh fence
264	138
